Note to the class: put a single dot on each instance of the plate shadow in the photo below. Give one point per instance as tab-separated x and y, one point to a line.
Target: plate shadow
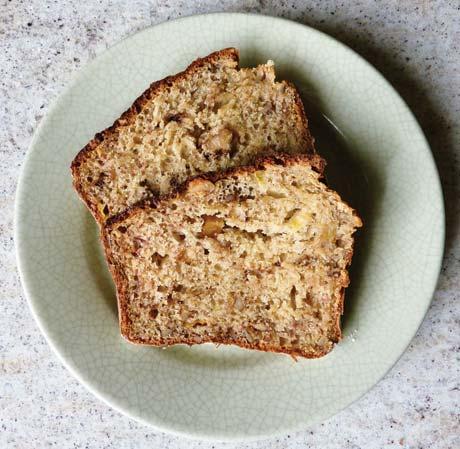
359	184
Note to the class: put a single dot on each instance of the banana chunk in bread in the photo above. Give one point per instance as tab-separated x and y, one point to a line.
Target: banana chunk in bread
210	117
256	256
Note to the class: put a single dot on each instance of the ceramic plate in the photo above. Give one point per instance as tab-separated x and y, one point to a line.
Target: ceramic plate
379	161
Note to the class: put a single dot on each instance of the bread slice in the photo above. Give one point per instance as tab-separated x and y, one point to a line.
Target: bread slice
256	256
210	117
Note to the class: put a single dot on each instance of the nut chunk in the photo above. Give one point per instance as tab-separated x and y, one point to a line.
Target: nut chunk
212	225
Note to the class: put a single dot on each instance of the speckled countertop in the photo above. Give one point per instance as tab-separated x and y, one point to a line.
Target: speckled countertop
414	43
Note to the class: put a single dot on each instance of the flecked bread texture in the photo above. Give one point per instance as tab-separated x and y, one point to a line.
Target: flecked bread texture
256	256
210	117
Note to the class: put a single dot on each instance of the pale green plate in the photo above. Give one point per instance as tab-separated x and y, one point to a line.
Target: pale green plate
379	160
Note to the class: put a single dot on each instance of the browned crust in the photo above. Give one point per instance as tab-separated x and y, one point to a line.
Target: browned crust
129	115
312	160
120	280
309	139
259	346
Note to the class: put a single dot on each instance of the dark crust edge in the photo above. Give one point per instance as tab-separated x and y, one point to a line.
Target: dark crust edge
309	139
258	346
129	115
312	160
120	280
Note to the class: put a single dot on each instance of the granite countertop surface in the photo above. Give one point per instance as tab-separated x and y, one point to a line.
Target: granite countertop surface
414	43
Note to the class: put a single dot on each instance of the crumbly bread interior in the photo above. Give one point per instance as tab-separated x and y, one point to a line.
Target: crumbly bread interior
255	257
209	118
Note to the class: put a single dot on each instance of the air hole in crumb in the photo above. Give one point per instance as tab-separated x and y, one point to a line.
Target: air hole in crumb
309	299
284	341
173	117
122	229
106	210
292	295
153	313
206	251
157	259
233	151
178	236
290	214
199	323
162	289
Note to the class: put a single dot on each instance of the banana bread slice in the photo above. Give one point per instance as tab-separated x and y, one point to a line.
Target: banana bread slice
210	117
256	256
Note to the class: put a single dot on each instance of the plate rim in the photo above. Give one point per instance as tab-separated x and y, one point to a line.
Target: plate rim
21	258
